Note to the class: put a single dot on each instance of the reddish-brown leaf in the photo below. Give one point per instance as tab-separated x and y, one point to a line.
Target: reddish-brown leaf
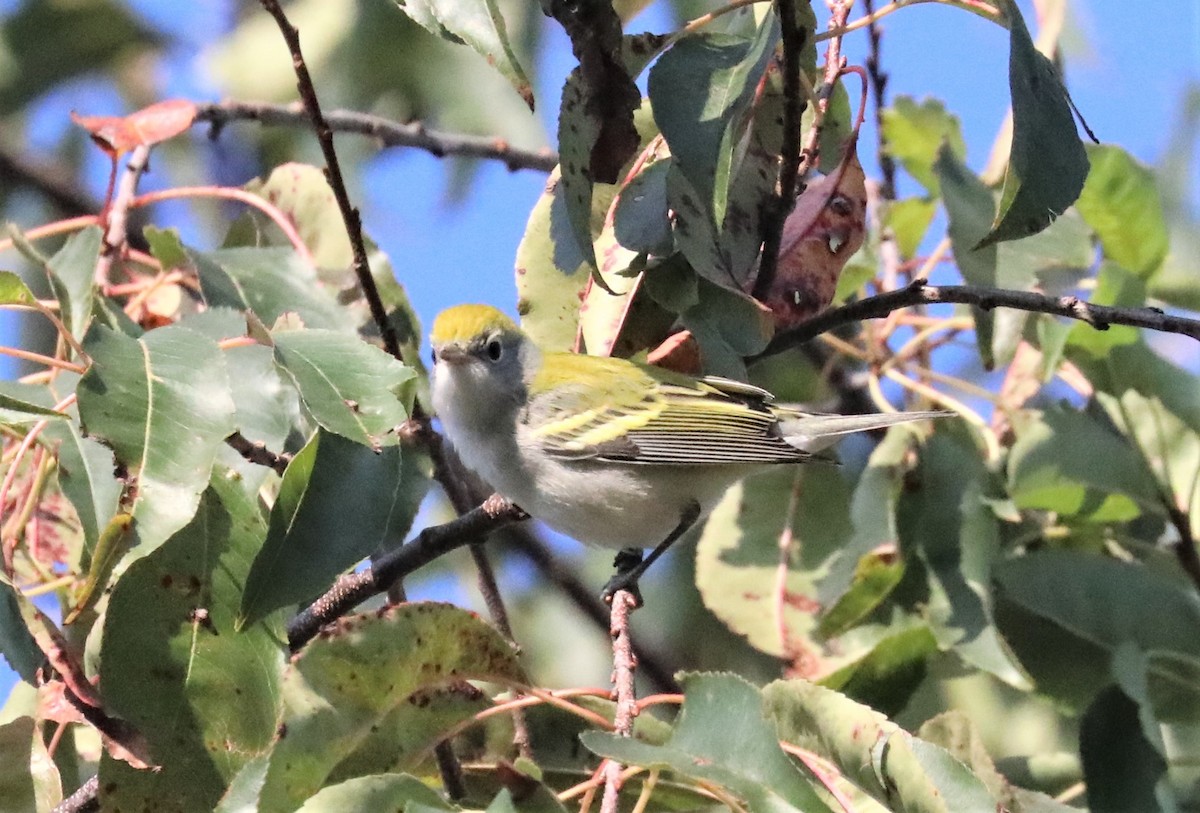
823	232
118	135
679	352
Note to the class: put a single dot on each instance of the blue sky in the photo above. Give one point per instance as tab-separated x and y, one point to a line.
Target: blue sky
1127	69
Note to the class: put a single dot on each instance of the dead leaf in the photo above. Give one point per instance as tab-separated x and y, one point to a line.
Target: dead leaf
118	135
679	352
822	233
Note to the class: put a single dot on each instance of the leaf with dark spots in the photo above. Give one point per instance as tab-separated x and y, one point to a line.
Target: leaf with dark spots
609	95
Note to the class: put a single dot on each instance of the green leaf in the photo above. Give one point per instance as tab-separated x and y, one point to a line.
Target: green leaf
85	475
162	404
402	740
909	220
72	274
1175	282
551	270
1116	287
269	281
29	779
17	644
729	326
1066	614
22	404
266	408
14	291
205	696
721	737
944	521
900	771
737	557
111	545
1122	768
875	576
344	683
700	91
914	134
640	220
242	794
969	208
167	247
1048	164
886	677
339	502
1068	462
1121	202
369	794
854	585
479	24
349	387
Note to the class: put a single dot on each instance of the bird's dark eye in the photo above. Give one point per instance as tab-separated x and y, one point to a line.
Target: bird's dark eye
494	349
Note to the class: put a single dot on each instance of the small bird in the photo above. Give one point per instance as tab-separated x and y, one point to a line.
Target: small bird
606	450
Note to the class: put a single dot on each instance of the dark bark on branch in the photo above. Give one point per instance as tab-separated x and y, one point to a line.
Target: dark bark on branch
333	174
257	452
387	132
918	293
778	208
58	187
83	800
354	588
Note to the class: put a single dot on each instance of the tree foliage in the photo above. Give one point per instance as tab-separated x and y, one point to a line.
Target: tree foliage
216	434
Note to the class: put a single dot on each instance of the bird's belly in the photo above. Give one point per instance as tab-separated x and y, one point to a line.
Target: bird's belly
617	506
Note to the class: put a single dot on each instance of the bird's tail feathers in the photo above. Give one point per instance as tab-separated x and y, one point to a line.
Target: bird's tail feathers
813	432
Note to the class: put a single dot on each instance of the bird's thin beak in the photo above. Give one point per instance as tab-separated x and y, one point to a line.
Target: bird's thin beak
450	354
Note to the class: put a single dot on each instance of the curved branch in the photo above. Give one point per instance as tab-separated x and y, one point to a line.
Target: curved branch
354	588
919	293
387	132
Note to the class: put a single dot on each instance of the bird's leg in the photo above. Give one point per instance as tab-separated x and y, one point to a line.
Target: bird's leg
630	563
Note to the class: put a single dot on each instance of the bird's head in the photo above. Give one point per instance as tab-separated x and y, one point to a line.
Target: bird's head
479	355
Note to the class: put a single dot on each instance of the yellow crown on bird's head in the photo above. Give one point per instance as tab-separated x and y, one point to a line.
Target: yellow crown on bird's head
462	323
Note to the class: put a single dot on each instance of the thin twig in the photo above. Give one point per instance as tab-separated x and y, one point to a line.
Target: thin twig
257	452
1185	546
624	663
875	307
83	800
242	196
354	588
776	210
387	132
810	155
553	571
118	213
333	174
879	80
490	590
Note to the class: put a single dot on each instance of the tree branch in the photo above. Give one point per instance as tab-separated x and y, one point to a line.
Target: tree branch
387	132
874	307
778	208
333	174
117	213
1185	547
624	663
58	186
551	569
83	800
257	452
354	588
